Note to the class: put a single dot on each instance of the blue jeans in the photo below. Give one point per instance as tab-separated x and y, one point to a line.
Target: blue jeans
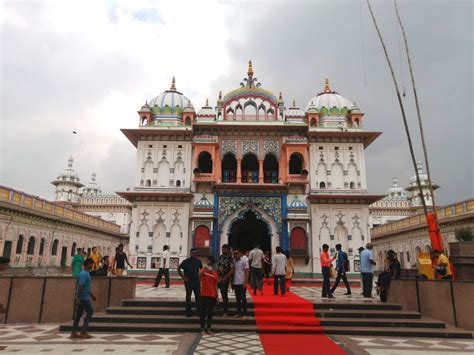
83	306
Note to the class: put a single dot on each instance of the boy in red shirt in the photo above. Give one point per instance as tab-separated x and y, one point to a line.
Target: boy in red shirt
208	278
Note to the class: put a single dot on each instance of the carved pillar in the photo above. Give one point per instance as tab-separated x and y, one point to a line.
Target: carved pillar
239	173
260	171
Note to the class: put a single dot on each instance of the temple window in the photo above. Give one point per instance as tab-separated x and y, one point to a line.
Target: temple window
229	168
296	163
205	163
31	246
270	169
249	168
19	244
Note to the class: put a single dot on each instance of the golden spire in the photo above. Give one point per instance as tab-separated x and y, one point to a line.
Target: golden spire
250	70
294	103
327	88
173	84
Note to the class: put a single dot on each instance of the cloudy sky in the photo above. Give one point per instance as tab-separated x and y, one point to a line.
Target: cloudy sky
87	66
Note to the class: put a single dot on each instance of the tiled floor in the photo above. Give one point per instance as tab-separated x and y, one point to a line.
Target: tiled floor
40	339
235	343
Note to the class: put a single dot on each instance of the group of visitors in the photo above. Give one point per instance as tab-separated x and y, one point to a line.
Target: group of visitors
233	270
101	265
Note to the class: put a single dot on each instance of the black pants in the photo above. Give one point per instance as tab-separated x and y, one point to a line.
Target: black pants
192	286
279	279
224	288
83	306
326	281
241	299
256	279
267	270
207	310
367	280
383	295
341	274
162	272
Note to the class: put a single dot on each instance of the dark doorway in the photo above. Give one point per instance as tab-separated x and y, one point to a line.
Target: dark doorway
248	230
7	249
296	163
205	163
64	257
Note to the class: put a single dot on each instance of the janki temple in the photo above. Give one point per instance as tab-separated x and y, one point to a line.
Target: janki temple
249	168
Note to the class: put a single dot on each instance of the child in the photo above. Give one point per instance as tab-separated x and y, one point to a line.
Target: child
83	301
208	278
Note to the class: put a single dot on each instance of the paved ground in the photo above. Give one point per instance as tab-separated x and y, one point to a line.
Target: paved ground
45	339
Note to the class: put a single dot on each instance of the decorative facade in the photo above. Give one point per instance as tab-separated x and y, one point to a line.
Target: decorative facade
39	233
249	170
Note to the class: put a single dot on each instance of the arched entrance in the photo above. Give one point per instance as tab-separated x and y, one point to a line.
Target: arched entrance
249	230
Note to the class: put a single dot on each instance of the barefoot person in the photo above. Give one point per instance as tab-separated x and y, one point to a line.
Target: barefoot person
240	277
256	269
189	272
164	268
83	301
224	270
3	266
279	271
120	260
208	277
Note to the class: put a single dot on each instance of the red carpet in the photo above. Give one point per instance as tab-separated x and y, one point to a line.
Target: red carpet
289	325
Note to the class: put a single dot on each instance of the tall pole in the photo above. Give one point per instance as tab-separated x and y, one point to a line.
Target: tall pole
402	109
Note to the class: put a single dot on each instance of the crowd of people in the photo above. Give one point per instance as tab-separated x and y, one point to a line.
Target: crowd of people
235	269
101	265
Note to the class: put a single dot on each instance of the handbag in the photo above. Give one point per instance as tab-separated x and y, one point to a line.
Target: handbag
332	273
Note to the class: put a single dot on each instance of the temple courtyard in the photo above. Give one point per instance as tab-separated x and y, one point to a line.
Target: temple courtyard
235	337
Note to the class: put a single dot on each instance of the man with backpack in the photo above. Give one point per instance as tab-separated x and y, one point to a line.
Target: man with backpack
342	266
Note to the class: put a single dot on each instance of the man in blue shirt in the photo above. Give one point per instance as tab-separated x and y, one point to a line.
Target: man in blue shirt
367	270
341	263
83	301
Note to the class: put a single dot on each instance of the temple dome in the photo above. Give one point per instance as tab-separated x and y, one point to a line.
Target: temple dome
329	102
294	112
206	111
396	192
169	102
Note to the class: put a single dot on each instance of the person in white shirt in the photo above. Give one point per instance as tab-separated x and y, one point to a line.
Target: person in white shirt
256	269
164	268
279	271
239	281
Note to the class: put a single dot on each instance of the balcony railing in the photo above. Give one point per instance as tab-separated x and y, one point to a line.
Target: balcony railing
229	176
250	176
297	179
270	176
203	177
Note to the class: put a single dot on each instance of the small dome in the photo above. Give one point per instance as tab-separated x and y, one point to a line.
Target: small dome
329	102
203	203
169	103
68	175
145	108
189	108
207	111
297	204
396	192
92	188
312	108
294	112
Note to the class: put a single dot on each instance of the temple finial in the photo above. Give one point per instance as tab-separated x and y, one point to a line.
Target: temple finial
327	88
294	103
220	95
250	70
173	84
207	102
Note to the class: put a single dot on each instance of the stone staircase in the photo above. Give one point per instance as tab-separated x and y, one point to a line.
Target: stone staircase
369	319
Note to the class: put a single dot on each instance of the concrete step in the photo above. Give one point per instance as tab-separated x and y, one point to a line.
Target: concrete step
318	306
166	319
363	331
340	322
382	322
398	332
349	313
158	328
